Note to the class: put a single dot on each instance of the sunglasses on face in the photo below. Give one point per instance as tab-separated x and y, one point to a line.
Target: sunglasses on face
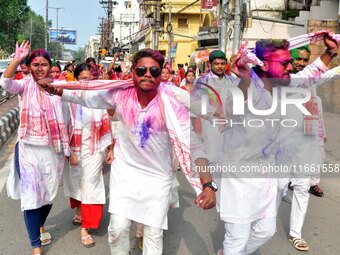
284	63
142	70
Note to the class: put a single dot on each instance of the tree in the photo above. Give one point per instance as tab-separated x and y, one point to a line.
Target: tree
12	15
33	29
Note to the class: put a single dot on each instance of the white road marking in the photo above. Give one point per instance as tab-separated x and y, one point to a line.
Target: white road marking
4	171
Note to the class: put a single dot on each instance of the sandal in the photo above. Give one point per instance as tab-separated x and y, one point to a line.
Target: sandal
45	238
299	243
316	191
87	241
77	220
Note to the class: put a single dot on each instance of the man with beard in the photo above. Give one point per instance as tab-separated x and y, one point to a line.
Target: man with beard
299	146
248	206
154	123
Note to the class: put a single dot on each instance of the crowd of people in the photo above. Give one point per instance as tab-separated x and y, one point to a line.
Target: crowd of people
146	121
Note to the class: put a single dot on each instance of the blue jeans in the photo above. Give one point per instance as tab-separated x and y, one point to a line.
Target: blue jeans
34	219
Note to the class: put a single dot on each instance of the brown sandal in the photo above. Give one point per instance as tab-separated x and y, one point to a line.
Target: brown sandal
87	241
77	220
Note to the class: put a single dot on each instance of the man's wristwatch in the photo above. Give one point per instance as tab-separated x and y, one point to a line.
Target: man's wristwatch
330	53
211	185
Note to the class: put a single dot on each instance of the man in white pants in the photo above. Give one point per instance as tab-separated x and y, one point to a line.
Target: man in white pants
300	147
248	206
154	119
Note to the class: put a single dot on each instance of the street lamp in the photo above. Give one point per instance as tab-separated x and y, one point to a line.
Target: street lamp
57	42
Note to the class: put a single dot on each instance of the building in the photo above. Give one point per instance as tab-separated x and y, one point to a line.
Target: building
92	46
154	28
125	23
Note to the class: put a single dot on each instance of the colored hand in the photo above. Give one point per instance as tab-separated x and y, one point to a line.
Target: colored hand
73	160
21	52
242	71
331	44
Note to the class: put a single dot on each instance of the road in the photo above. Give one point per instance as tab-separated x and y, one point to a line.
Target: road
191	230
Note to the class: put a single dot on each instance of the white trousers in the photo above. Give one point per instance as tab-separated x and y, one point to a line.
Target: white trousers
119	241
299	204
315	180
246	238
282	190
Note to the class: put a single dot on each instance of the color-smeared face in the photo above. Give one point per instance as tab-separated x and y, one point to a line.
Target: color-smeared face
279	66
218	66
165	76
55	72
40	68
302	61
25	69
147	75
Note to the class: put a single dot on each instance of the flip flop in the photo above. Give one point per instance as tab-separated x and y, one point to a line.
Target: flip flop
87	241
45	238
77	220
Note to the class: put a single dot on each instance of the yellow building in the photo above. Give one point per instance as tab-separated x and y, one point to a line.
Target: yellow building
186	20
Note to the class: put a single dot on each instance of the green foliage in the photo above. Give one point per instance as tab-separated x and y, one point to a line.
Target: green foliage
290	14
33	29
12	14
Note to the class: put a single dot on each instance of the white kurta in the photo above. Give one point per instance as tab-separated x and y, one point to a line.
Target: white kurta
296	148
211	136
141	174
40	166
243	200
246	197
85	182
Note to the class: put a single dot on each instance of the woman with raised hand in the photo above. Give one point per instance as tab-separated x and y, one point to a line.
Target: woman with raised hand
42	144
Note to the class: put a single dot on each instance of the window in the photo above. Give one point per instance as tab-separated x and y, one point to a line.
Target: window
182	23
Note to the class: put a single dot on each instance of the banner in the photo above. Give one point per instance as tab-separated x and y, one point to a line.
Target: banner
208	5
173	50
63	36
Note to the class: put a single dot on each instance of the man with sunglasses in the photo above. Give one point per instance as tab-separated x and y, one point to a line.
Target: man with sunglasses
154	123
300	145
248	206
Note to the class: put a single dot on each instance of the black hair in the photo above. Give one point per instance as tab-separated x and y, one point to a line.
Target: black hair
81	67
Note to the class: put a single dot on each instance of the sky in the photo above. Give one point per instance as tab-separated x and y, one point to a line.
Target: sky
81	15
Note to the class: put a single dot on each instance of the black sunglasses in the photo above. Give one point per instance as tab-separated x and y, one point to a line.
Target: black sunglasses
284	63
154	71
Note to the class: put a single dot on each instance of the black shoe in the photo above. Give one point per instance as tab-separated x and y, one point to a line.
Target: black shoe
290	187
316	191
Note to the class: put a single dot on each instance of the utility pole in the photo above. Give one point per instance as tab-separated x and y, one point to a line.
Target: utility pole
224	27
57	9
109	16
156	17
120	29
133	25
46	25
169	32
31	31
102	31
108	35
237	27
